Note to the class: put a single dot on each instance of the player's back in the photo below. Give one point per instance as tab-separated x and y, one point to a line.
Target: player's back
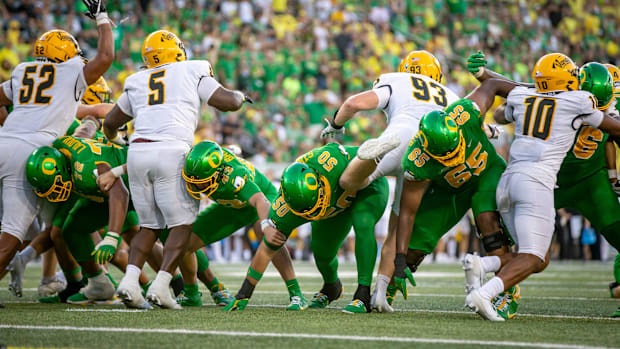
165	101
45	100
413	95
545	127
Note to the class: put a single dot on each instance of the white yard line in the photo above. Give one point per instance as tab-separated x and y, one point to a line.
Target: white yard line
301	335
107	310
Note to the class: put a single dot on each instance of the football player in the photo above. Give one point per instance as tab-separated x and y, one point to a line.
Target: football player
547	119
45	95
164	99
310	192
404	97
614	287
449	167
242	197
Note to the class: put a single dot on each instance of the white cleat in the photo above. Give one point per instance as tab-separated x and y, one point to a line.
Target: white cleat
52	285
483	307
160	296
17	268
474	275
377	147
131	295
380	304
99	289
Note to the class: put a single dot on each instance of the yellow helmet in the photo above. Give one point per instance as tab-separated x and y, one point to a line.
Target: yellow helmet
161	47
615	75
57	46
421	62
97	93
555	72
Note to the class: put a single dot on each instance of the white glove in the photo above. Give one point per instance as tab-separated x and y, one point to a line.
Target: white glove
493	131
105	249
331	131
118	140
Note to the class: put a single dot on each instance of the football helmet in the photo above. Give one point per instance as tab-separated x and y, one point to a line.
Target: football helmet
421	62
49	173
305	191
615	76
56	46
161	47
202	169
555	72
97	93
596	79
442	139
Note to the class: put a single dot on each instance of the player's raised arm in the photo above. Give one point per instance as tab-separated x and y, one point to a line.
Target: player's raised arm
113	121
485	93
105	47
227	100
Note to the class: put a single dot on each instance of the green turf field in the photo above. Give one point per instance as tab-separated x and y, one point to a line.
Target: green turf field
567	306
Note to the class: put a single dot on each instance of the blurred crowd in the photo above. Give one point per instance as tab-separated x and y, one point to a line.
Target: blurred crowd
299	59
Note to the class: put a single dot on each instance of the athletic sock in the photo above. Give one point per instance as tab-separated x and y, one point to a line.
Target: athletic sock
132	274
202	260
293	287
176	283
163	277
73	275
332	290
492	288
214	285
28	254
190	290
363	293
490	264
382	285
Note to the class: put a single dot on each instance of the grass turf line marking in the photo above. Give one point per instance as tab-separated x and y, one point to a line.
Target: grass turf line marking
108	310
302	335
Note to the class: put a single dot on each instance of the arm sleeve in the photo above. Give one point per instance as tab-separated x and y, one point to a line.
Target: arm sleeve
383	92
7	88
206	87
508	112
589	113
124	105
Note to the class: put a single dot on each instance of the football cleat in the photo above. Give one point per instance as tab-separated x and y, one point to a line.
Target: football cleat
382	304
54	299
52	285
616	313
17	267
614	290
221	296
131	295
298	303
377	147
321	300
236	304
160	296
507	302
390	294
356	306
81	299
190	300
474	275
483	307
99	288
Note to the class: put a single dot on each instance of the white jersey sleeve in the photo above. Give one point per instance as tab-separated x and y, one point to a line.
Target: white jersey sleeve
545	128
412	95
45	99
206	87
165	100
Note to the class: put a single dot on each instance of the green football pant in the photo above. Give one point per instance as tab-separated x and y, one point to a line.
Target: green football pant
443	208
617	268
594	198
328	235
84	218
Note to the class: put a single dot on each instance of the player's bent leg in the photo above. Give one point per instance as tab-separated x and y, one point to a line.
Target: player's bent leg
383	296
614	287
129	290
9	245
190	296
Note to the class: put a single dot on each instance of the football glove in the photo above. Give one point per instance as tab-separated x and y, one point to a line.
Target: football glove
332	131
237	304
402	274
95	7
475	62
248	99
105	249
493	131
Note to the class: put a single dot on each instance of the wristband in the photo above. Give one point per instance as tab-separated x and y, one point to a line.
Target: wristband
115	236
118	171
333	122
479	72
266	223
254	274
612	174
102	18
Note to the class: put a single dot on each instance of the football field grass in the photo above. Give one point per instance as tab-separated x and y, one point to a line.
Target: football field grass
567	306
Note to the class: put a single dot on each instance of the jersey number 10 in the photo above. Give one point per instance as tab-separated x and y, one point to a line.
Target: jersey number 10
542	120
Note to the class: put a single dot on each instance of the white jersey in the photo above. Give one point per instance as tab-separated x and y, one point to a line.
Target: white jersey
165	100
545	128
411	95
45	100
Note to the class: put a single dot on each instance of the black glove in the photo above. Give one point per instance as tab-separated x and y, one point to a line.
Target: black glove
247	99
95	7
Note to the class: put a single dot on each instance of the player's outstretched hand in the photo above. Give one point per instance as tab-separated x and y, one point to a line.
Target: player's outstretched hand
332	132
105	249
274	237
106	180
237	304
475	62
95	7
402	274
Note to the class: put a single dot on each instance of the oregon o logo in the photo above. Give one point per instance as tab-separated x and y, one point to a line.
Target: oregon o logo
215	160
48	166
311	181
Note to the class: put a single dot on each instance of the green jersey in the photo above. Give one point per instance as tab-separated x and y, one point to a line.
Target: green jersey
479	152
84	155
586	157
329	161
75	124
238	181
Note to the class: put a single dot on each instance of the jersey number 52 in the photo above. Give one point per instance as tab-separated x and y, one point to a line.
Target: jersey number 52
48	73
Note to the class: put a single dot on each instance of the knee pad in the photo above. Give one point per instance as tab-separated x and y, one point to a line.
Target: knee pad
495	241
414	259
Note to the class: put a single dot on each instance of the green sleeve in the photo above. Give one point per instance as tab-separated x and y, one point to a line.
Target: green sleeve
415	162
285	220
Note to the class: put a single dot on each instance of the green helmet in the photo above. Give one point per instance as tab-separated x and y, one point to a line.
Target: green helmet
306	192
202	168
48	171
596	79
442	139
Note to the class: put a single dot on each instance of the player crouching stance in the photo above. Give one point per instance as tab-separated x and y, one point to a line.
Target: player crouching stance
310	193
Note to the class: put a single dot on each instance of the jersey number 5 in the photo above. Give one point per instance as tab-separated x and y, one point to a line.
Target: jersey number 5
157	86
47	72
543	119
